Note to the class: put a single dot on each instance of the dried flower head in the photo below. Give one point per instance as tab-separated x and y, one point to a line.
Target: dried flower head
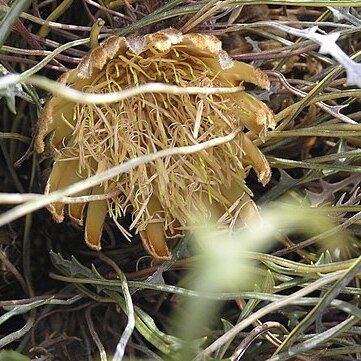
164	195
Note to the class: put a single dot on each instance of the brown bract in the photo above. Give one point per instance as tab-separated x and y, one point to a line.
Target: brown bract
165	196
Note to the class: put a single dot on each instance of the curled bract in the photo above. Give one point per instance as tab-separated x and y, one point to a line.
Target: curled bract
163	196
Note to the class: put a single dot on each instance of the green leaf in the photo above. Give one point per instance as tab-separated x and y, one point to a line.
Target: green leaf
222	350
9	19
286	182
74	268
10	355
324	258
143	322
20	309
268	285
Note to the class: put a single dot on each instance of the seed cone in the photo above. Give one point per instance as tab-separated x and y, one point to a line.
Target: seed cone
163	196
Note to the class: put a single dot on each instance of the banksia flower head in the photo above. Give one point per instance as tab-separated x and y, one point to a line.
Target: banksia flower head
164	195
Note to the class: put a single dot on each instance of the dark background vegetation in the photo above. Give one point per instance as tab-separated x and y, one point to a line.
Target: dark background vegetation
61	301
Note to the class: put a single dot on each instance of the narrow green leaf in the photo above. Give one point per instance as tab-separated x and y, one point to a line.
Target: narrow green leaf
10	355
9	19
